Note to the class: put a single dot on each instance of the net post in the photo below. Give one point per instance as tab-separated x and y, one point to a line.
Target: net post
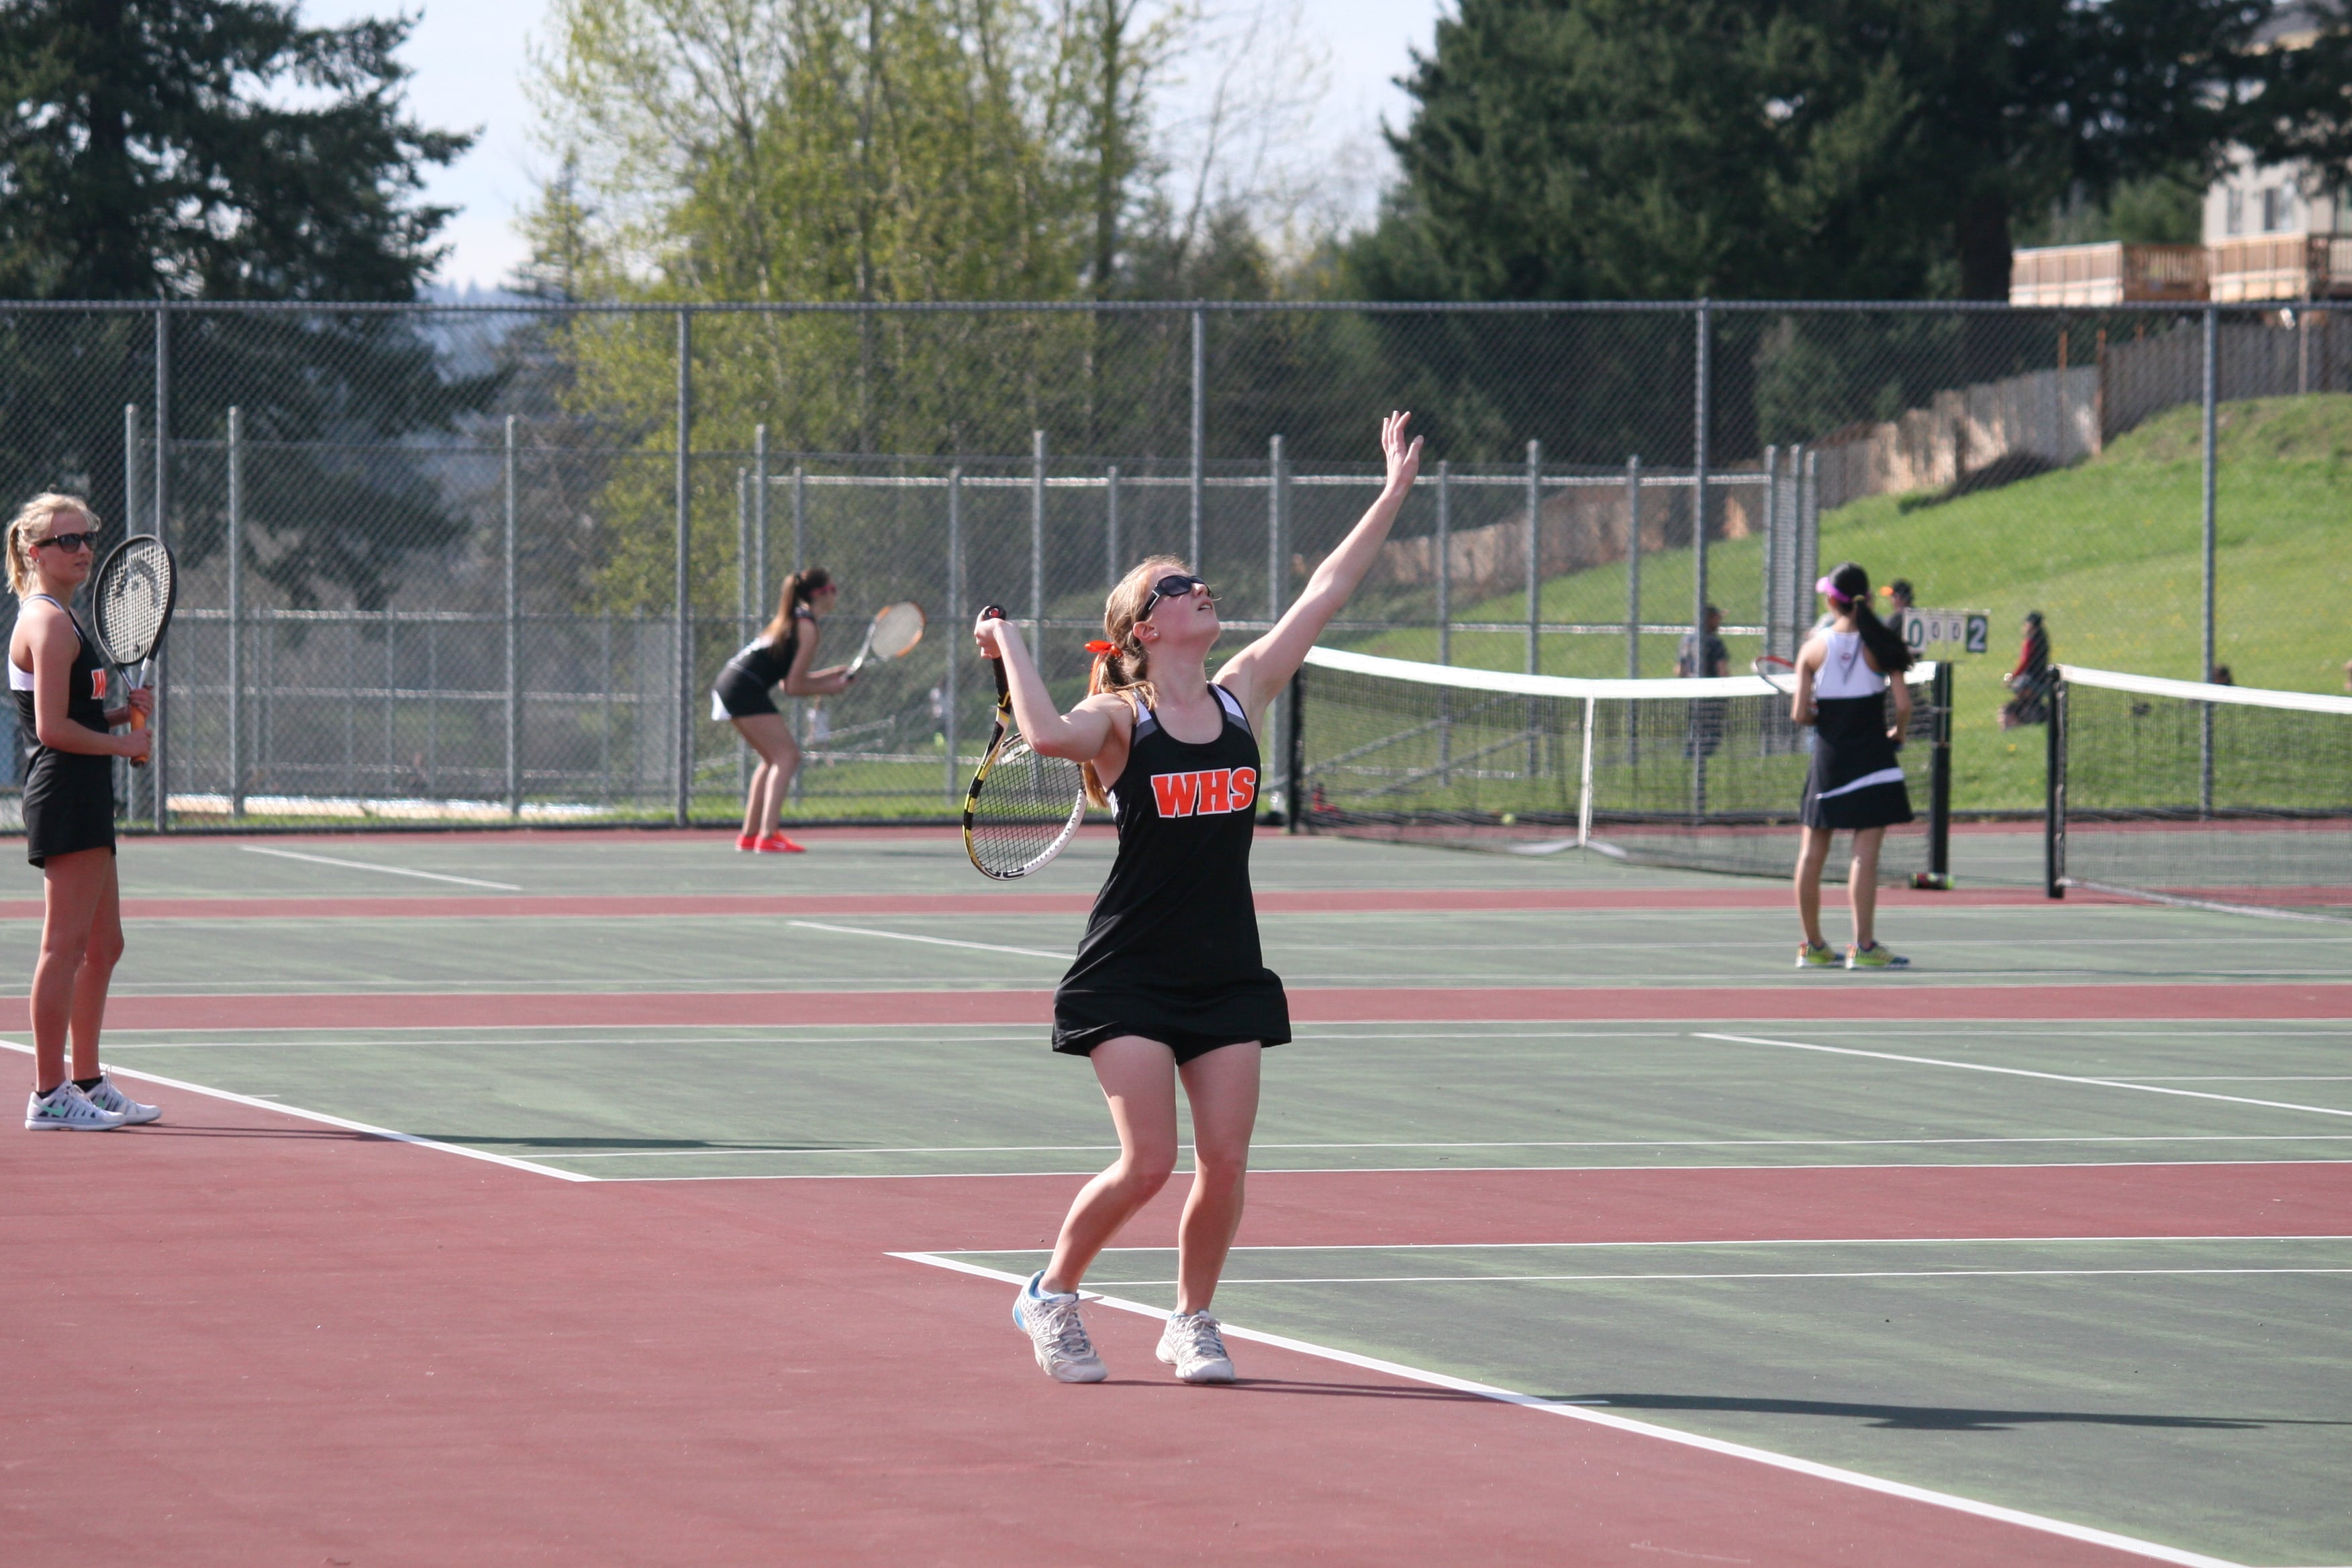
682	676
1584	779
1200	429
513	639
1939	786
742	594
1444	562
1634	567
1535	553
1294	784
2053	821
955	620
235	611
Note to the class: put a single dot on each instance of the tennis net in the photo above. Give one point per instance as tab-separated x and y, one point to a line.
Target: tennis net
2218	796
1706	775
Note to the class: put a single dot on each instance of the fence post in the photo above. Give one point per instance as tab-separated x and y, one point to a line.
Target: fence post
1534	552
130	524
1111	527
1444	562
2205	710
1809	546
235	611
955	620
759	521
800	524
682	676
1037	543
1200	429
514	639
1273	498
742	594
1634	567
1770	518
159	768
1701	409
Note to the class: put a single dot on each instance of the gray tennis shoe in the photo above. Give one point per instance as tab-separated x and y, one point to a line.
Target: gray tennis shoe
65	1108
1057	1334
1191	1344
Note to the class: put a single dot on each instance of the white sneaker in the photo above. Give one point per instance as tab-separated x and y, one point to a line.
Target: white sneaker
1055	1331
106	1096
67	1109
1191	1344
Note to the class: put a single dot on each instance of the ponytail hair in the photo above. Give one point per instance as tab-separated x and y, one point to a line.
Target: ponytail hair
1120	663
799	588
1848	588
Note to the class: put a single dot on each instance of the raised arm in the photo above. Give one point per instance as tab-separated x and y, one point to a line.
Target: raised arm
1081	734
1258	673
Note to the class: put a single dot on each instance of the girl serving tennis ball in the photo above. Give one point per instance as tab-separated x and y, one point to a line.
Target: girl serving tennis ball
60	684
1169	982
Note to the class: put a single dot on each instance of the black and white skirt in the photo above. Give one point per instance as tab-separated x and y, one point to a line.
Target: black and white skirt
1856	780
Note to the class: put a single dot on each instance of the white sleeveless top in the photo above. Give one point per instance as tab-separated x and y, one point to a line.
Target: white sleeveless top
1844	671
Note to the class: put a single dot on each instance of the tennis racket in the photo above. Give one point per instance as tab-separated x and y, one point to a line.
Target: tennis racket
1021	808
130	603
894	631
1780	673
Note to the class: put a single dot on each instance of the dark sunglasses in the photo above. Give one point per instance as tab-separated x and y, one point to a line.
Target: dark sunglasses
1175	585
68	541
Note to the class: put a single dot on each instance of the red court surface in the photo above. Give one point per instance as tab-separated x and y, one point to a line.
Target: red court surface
242	1338
1820	998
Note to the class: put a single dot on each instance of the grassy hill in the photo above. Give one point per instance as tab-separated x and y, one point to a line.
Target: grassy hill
2109	551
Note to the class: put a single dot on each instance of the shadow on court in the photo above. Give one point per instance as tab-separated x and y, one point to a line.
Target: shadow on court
1932	1417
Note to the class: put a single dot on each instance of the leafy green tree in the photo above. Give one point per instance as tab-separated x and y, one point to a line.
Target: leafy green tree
210	150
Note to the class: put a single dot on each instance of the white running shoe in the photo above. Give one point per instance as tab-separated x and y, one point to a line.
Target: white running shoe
106	1096
68	1109
1191	1344
1055	1331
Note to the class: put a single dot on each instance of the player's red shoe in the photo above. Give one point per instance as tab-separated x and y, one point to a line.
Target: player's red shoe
777	843
746	843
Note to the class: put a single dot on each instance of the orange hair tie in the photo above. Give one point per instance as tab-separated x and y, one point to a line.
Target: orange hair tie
1099	648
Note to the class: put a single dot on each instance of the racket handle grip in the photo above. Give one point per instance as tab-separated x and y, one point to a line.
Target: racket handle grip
138	720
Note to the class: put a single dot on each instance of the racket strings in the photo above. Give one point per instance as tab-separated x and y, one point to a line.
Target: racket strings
1022	808
132	599
896	629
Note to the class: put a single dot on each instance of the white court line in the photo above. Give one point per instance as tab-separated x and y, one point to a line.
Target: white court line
2027	1072
1640	1428
1652	1278
1271	1170
368	866
934	941
2242	1078
1591	1144
1766	1241
273	1103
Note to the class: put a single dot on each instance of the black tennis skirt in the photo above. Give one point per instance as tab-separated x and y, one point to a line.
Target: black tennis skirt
739	694
1856	780
1191	1021
68	803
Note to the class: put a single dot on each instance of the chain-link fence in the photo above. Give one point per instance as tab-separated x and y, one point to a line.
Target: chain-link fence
483	562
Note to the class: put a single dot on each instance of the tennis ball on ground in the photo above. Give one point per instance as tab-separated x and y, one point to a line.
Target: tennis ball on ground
1510	819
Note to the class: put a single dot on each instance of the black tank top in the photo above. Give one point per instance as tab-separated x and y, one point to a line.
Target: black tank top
85	689
769	662
1176	912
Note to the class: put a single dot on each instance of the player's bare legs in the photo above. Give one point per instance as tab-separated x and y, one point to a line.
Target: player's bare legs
1136	1081
1861	890
1223	1088
1812	854
780	757
75	889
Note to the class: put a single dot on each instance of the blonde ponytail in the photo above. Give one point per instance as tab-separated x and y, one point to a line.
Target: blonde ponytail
1120	663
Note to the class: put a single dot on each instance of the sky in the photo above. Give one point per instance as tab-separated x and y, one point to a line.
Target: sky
468	64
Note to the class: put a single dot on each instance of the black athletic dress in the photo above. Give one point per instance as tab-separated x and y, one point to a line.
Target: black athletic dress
1170	951
69	796
1856	780
743	683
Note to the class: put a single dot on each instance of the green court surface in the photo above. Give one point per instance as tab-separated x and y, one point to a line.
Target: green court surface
2156	1380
